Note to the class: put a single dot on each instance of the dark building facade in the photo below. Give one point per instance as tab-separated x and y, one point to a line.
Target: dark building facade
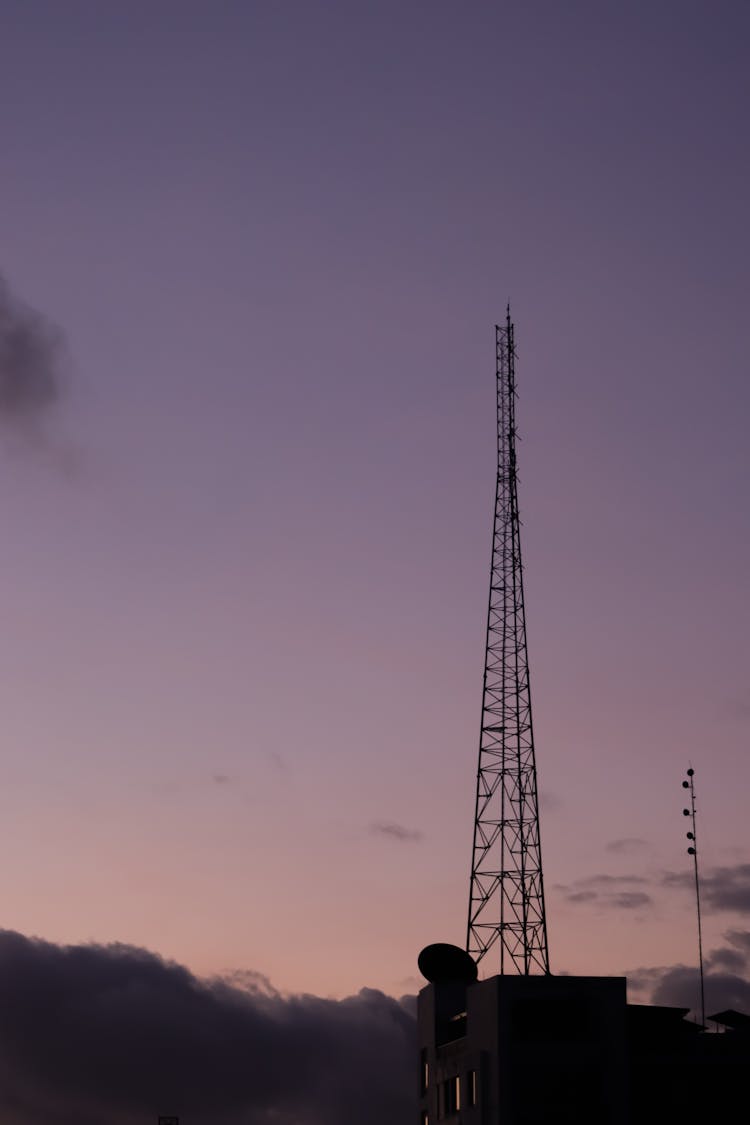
546	1050
522	1050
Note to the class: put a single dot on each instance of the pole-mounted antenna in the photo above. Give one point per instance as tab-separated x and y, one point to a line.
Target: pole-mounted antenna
693	851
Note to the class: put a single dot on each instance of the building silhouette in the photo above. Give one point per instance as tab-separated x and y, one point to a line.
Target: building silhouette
565	1050
525	1047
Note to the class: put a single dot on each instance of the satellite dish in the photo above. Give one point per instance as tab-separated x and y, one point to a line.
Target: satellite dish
443	962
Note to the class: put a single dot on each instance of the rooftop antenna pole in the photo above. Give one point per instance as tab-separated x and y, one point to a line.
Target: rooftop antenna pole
506	899
693	851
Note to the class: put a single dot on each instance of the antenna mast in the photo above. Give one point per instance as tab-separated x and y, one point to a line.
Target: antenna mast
693	851
506	900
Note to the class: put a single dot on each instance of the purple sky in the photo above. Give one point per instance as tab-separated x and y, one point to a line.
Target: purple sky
243	632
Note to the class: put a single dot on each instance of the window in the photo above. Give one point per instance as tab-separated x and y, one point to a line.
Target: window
450	1096
471	1087
424	1071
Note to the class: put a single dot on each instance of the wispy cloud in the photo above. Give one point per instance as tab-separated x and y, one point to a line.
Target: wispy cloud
396	831
607	892
630	900
549	802
739	709
626	845
31	357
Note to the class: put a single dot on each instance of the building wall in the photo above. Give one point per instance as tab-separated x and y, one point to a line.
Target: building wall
523	1051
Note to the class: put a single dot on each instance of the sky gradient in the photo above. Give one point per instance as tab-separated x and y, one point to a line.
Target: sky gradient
245	558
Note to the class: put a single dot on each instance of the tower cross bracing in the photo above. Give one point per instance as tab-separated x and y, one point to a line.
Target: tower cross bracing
506	901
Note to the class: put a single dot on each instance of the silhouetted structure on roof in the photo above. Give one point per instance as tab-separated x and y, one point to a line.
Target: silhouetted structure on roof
525	1049
532	1050
506	893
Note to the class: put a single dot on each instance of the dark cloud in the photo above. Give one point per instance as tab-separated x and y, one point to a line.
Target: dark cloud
396	831
91	1034
626	845
740	939
734	957
613	880
607	892
630	900
642	982
724	888
733	960
725	979
31	354
221	778
679	987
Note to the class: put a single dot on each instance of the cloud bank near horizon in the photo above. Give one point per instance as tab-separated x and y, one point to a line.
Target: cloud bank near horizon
92	1033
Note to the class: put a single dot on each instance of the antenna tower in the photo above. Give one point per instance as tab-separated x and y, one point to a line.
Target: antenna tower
506	900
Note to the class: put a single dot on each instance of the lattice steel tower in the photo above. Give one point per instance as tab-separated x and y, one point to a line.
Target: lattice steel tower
506	901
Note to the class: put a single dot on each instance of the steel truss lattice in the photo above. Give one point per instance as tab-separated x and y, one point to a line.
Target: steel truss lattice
506	901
